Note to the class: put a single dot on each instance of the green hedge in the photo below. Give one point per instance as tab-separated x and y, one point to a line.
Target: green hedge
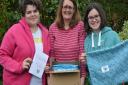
116	12
124	33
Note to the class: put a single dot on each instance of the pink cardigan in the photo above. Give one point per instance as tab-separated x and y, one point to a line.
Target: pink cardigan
17	45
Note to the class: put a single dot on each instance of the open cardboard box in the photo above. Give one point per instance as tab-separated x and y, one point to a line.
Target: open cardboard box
64	77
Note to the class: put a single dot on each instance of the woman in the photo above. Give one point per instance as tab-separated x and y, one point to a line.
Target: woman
20	44
99	35
67	35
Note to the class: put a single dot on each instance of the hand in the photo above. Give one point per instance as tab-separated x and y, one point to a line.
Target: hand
82	80
82	57
47	68
26	63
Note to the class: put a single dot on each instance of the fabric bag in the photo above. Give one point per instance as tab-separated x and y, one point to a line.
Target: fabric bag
109	66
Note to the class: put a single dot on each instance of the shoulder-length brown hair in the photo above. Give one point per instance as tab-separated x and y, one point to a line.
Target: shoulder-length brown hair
59	19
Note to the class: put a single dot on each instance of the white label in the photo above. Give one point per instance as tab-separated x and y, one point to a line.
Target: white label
105	69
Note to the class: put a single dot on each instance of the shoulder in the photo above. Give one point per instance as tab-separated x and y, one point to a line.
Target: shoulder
14	29
88	37
44	28
53	27
111	34
110	31
80	24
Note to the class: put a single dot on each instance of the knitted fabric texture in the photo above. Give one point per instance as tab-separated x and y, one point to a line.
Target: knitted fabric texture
109	66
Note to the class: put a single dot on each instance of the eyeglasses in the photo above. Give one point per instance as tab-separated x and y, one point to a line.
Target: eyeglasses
93	17
68	7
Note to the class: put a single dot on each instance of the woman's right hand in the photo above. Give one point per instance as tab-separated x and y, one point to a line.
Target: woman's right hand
26	63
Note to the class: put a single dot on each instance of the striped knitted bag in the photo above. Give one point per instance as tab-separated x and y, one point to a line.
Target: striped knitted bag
109	66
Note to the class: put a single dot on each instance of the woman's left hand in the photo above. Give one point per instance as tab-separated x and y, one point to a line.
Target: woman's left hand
82	57
82	80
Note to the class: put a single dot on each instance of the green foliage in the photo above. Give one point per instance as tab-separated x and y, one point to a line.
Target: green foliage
7	20
49	11
50	8
116	11
8	17
124	33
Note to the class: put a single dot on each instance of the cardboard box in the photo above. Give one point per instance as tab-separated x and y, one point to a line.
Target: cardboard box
64	78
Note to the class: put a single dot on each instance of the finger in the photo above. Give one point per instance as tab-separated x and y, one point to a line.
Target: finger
83	54
47	68
26	67
28	60
27	64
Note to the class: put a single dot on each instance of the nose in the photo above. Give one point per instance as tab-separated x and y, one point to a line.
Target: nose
67	9
93	20
32	13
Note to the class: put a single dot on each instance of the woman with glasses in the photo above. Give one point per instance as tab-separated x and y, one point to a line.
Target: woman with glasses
99	35
67	35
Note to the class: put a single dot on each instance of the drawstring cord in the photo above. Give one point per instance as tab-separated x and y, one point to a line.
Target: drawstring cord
99	39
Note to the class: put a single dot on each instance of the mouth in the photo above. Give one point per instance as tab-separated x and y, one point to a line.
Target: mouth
67	12
33	19
95	23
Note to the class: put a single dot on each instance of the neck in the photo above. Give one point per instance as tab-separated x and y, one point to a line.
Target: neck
34	28
66	25
97	31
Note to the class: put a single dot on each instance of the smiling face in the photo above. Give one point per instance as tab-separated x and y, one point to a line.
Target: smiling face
32	15
67	10
94	20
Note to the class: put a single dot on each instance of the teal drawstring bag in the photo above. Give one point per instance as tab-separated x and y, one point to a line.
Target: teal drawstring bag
109	66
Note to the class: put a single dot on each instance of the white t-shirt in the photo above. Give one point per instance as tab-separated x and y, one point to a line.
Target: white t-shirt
37	36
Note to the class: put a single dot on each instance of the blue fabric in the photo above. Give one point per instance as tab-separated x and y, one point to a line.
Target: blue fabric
64	67
109	66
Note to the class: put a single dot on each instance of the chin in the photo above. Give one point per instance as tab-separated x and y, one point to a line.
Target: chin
67	19
95	27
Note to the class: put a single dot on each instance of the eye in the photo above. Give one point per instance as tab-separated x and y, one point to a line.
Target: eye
90	17
68	7
96	16
28	12
35	11
93	17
